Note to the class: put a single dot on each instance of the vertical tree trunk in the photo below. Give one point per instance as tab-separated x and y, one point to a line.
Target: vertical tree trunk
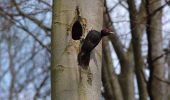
126	78
109	77
156	87
66	83
167	64
12	70
136	29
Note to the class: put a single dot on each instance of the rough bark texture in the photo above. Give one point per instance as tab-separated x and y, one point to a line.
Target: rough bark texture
66	83
156	87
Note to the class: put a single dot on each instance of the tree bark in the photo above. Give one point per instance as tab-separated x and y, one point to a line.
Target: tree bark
126	77
109	77
68	80
136	42
156	87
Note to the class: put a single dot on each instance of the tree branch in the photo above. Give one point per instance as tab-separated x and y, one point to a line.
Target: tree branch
39	23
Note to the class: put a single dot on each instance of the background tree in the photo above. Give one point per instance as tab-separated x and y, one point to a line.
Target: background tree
24	49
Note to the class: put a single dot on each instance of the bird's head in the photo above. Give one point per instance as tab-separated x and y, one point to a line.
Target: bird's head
106	31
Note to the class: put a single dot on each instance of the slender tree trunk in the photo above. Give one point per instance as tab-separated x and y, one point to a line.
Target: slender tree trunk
126	78
68	80
167	64
109	77
156	87
12	70
136	42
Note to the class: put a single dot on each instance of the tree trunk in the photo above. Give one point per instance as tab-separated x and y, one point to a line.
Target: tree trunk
156	87
110	80
137	30
68	80
126	76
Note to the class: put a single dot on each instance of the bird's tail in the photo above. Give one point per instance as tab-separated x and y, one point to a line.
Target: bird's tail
83	59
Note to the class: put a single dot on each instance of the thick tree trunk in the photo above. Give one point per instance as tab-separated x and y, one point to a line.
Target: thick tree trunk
66	82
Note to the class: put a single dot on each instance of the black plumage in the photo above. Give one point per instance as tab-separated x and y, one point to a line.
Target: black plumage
90	42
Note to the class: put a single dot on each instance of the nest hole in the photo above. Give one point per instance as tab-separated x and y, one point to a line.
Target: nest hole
77	30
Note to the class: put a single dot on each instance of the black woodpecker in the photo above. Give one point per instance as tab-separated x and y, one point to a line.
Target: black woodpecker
90	42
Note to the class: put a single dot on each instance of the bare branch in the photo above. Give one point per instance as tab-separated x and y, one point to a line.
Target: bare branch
36	21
